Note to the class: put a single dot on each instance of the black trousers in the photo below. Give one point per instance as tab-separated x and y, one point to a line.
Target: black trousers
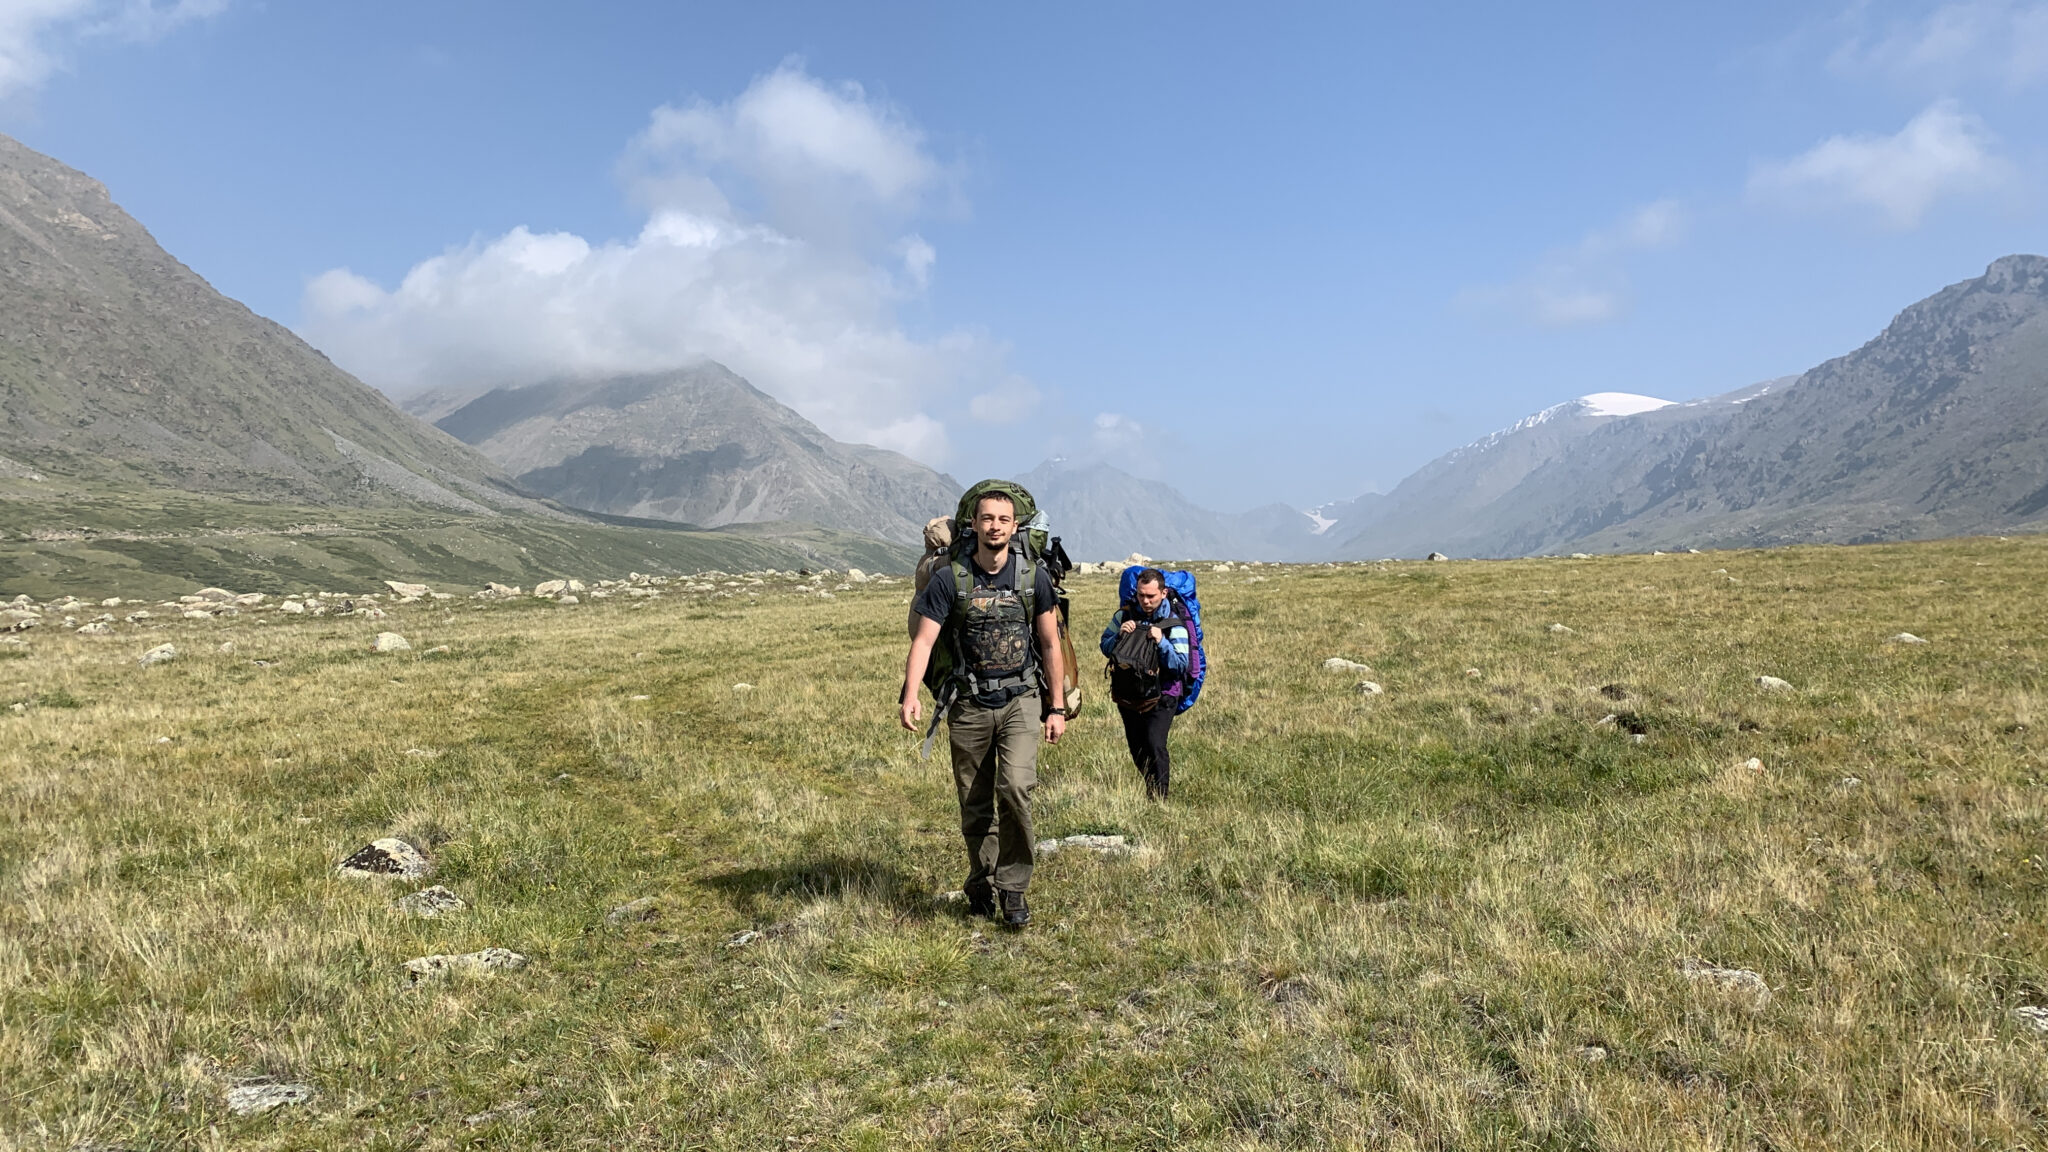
1146	733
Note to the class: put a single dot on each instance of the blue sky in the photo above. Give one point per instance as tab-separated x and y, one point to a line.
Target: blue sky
1270	255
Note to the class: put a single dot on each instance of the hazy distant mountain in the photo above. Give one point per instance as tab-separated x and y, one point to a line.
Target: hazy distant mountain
1102	513
698	446
1939	426
119	365
1443	505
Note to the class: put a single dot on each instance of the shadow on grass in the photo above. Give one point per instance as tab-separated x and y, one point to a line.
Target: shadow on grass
764	891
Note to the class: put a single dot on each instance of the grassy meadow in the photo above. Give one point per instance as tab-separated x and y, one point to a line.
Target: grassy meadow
1448	916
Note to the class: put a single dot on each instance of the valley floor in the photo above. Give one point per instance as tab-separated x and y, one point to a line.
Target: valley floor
1457	914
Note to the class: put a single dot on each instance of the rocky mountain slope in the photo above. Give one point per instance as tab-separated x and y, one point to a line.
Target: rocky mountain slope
698	445
1937	427
1102	513
1448	503
154	431
120	365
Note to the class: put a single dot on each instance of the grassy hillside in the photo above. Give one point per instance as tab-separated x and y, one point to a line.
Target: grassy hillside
1449	916
93	543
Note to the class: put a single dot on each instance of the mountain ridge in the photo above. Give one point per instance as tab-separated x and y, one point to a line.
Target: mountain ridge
698	445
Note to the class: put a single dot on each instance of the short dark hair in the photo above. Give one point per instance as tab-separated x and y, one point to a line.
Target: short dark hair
985	497
1151	576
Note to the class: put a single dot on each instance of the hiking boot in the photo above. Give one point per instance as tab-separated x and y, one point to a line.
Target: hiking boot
981	899
1016	913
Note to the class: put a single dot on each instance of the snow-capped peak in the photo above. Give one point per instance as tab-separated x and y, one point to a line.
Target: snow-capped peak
1321	522
1620	403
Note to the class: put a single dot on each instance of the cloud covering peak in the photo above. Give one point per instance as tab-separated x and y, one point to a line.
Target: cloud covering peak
776	242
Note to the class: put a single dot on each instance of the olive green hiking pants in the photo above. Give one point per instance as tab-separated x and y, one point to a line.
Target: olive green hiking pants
995	769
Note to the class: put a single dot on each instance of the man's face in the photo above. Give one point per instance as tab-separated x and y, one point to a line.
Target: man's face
995	521
1148	596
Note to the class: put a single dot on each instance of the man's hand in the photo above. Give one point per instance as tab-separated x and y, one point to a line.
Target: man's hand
1055	727
1129	627
911	711
1157	635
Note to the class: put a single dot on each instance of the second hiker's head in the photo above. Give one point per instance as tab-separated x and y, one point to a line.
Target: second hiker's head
995	521
1150	589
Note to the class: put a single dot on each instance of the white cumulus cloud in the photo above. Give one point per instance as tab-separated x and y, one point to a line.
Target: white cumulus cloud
1587	282
36	35
1954	44
774	243
1942	152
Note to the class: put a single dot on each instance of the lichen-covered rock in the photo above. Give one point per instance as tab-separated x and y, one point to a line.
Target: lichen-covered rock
428	903
1773	684
1741	981
387	858
440	967
390	642
1340	664
644	908
157	655
256	1099
1101	845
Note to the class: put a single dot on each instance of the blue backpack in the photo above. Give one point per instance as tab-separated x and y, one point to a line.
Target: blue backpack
1180	594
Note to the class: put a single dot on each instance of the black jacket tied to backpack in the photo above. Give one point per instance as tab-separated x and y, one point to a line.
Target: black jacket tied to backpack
1143	670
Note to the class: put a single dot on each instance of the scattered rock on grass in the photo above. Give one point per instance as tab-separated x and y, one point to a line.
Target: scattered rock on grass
1590	1053
2032	1016
427	903
436	650
1773	684
157	655
468	963
1100	845
1906	638
645	908
1560	630
743	687
1582	556
96	628
1340	664
256	1099
508	1113
390	642
1438	556
1739	980
1368	688
1614	691
388	858
401	588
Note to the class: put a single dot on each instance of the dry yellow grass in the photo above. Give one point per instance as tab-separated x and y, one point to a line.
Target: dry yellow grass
1449	916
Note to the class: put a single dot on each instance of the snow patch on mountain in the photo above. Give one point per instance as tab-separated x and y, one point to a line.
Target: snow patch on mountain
1620	403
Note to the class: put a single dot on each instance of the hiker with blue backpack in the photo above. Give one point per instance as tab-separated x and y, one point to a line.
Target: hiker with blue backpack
1156	665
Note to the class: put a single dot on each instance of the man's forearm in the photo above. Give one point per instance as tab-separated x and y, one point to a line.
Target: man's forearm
919	659
1049	656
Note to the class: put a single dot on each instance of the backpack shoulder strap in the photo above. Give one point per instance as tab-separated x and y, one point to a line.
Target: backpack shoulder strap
1027	585
963	587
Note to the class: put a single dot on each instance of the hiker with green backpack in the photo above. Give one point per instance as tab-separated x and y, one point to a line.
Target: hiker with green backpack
987	644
